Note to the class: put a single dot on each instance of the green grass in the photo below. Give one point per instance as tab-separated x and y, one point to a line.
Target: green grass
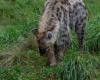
19	57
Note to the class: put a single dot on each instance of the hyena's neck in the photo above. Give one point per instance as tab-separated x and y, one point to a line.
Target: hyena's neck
53	13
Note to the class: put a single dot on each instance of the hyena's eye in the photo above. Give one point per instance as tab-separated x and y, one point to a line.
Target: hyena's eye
49	35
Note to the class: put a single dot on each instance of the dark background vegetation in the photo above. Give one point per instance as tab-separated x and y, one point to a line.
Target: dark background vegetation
19	57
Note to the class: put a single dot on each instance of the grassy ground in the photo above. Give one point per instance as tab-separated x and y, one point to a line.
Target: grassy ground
19	57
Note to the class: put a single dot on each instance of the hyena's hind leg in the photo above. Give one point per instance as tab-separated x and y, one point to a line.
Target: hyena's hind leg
51	55
80	14
79	29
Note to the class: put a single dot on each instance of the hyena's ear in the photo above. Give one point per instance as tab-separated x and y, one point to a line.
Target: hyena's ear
35	31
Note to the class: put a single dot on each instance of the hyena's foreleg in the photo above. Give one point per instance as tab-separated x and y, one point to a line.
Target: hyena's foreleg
62	45
60	53
51	55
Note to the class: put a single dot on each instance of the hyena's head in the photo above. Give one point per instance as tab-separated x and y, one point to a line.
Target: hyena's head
40	36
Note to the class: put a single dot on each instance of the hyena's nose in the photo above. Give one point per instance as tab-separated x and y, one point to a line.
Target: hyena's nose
42	51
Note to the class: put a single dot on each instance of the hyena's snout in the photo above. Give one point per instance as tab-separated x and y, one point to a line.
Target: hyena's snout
42	48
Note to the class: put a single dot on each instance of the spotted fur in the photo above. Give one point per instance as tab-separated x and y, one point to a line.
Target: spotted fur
54	28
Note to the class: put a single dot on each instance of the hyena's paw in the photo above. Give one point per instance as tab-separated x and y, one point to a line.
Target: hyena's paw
51	57
53	64
53	61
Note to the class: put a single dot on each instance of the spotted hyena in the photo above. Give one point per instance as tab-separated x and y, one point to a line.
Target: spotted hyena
53	34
